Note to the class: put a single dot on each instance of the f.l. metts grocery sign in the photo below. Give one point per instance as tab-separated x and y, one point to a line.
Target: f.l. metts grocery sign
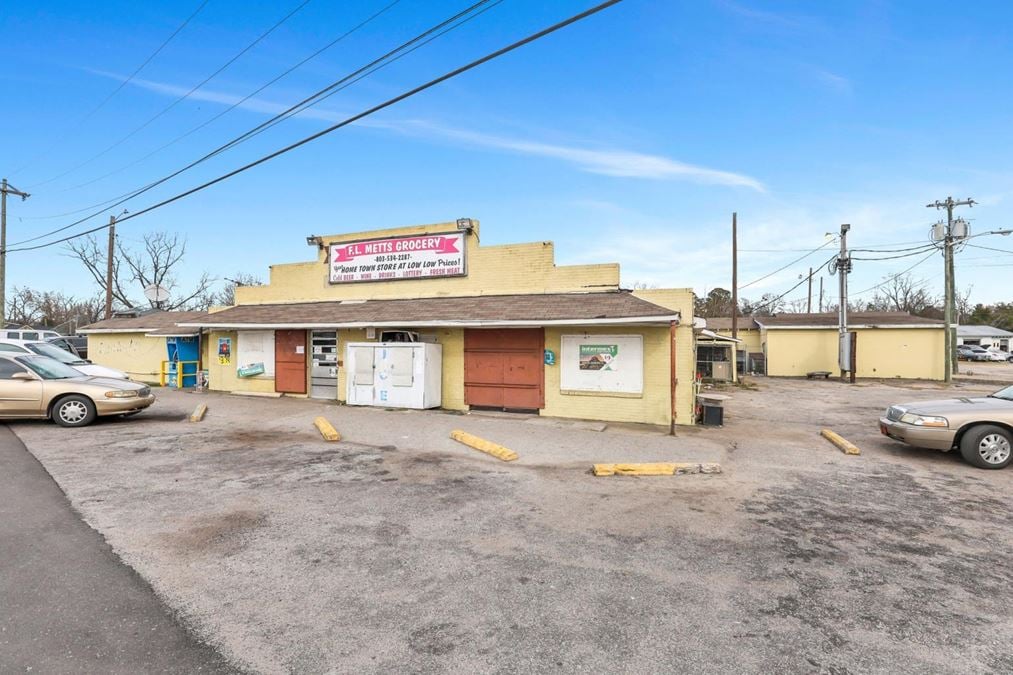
392	258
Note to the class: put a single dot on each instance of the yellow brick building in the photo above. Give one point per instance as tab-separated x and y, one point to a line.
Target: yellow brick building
135	342
889	344
515	331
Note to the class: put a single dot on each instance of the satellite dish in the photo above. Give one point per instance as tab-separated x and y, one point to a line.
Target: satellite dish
156	293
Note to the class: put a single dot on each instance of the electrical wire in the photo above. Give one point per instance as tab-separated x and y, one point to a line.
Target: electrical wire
61	139
432	33
893	276
781	269
770	302
232	107
350	120
990	248
918	251
180	99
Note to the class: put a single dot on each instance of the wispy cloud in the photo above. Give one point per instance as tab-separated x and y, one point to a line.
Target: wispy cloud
759	16
830	79
607	162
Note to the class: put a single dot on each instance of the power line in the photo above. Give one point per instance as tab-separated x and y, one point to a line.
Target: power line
432	33
753	308
990	248
917	251
781	269
232	107
109	97
894	276
350	120
180	99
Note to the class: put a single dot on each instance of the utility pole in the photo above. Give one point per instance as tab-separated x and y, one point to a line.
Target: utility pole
809	304
735	276
842	266
5	189
949	311
821	295
109	267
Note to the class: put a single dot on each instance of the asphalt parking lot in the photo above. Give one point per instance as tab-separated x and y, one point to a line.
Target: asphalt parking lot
399	549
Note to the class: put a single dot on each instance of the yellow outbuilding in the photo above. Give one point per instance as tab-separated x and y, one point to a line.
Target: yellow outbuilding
888	344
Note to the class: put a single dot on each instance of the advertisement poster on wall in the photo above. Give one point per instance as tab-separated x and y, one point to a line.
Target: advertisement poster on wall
396	258
602	363
599	357
224	351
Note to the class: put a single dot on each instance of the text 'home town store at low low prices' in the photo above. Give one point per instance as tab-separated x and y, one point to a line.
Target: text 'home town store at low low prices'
426	317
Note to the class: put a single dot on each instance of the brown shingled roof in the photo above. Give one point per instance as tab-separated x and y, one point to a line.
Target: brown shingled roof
148	322
486	309
855	319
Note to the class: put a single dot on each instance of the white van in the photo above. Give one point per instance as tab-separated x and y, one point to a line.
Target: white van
28	334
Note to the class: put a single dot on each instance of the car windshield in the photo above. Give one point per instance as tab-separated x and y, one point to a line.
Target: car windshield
1005	394
61	355
47	368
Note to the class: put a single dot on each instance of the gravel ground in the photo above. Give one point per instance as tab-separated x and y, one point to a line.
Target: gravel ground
399	549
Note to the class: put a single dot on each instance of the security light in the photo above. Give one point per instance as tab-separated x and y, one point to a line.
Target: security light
315	240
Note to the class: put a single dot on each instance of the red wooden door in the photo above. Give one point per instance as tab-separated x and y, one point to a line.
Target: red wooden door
290	361
504	368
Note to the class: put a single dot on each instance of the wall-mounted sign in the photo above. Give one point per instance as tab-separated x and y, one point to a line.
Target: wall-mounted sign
550	357
224	351
416	257
602	363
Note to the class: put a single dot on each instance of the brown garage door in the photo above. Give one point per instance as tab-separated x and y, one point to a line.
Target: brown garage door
504	368
290	361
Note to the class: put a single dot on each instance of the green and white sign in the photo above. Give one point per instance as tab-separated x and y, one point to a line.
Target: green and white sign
598	357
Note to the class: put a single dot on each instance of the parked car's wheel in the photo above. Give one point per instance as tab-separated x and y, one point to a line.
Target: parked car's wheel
987	446
74	411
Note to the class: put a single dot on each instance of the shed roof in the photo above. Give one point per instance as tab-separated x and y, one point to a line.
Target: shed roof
982	331
482	310
148	322
855	320
725	323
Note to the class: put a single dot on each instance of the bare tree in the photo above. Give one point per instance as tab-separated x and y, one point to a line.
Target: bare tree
796	306
157	262
964	305
903	293
227	296
52	309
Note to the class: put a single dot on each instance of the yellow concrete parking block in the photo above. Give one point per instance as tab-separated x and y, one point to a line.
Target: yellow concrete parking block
655	468
488	447
198	413
846	446
326	429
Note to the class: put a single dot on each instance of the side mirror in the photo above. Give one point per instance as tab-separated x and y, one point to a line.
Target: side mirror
22	376
88	360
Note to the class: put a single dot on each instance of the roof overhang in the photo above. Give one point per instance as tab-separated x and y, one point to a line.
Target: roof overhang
88	331
521	323
855	326
714	337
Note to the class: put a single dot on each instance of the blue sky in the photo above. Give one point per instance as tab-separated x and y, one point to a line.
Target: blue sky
629	137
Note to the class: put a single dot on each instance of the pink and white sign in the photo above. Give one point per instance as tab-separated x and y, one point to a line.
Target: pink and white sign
417	257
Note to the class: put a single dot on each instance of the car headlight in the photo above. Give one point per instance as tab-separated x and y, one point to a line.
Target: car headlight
924	420
121	393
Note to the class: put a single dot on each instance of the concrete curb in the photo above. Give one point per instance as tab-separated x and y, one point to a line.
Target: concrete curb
655	469
326	429
198	413
482	445
846	446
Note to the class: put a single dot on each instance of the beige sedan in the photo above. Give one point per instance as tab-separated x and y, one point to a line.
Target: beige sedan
981	428
40	387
